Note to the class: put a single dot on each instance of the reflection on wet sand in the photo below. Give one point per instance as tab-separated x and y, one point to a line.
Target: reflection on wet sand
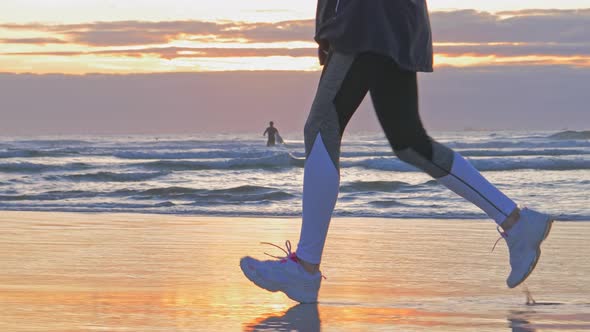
551	319
518	323
306	317
301	317
89	272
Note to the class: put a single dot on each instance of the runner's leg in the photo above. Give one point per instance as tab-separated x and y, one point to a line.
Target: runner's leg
342	87
395	97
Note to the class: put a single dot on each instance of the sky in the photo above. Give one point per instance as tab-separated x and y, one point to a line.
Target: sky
51	45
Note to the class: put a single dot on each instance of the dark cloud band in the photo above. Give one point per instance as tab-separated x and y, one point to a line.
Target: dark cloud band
464	32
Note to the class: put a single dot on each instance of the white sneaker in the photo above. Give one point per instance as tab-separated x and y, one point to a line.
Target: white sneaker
285	275
524	240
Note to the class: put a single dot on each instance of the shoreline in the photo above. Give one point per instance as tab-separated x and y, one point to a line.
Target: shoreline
148	215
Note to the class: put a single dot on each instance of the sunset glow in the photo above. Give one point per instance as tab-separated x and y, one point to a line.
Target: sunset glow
257	35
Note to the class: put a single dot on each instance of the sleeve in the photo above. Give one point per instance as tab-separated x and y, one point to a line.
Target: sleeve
326	9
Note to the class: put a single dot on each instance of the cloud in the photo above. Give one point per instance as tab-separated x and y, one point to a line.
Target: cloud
508	50
169	53
531	26
186	52
536	26
549	33
129	33
277	32
37	41
544	12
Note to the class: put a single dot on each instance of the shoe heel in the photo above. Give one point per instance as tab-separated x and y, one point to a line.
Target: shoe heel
549	226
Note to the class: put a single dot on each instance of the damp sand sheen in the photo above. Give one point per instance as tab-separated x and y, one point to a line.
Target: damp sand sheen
137	272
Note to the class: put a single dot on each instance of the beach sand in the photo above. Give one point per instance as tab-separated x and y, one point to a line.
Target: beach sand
131	272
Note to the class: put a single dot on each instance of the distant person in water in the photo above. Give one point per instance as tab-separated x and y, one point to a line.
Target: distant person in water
377	47
272	133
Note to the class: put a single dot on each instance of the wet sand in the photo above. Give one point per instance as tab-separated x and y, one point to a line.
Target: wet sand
131	272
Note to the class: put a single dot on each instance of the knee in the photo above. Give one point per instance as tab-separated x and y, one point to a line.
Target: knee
432	157
419	144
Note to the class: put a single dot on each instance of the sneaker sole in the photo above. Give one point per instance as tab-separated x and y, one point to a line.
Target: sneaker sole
291	292
547	230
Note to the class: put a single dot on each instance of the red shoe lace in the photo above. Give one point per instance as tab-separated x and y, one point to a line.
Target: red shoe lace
503	235
290	255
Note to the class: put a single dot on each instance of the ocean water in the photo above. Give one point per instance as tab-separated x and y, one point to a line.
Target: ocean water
238	175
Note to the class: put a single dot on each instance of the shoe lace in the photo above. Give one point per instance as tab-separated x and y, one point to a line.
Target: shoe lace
510	221
290	255
503	235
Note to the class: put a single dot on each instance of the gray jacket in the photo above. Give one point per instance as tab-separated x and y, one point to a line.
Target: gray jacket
396	28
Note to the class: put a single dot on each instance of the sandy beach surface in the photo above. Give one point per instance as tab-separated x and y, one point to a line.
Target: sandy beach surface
134	272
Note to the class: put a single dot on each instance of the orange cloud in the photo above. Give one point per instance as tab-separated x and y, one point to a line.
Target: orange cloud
34	41
127	33
462	38
526	26
185	52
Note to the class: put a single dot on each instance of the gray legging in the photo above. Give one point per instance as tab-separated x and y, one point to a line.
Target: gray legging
344	83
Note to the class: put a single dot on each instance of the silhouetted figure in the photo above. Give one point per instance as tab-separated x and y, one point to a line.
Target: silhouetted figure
272	134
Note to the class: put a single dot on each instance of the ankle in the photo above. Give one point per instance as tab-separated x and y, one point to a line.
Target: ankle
309	267
511	220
